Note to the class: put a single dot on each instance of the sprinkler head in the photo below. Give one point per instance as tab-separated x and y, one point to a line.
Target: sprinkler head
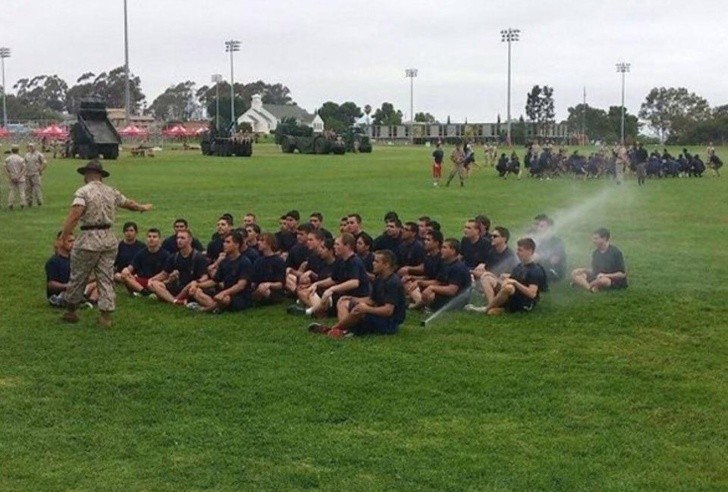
423	323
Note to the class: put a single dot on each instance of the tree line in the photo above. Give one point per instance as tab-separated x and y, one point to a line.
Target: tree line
674	115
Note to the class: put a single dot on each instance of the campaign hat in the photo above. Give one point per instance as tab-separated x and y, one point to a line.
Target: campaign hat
93	166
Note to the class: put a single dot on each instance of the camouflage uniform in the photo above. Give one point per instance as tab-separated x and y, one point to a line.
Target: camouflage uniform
95	247
15	166
34	162
621	164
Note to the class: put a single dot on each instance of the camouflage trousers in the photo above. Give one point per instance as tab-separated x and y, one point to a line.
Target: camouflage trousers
16	191
83	264
33	191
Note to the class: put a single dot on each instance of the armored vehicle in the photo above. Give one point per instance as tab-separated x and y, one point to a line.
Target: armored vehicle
93	135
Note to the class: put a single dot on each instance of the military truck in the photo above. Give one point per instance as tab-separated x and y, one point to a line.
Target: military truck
227	143
294	137
357	140
93	135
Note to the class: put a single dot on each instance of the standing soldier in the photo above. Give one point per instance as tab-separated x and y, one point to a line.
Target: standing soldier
35	164
458	165
622	160
15	171
94	206
713	160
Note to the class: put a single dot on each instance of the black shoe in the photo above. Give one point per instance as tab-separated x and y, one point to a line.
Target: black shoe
296	310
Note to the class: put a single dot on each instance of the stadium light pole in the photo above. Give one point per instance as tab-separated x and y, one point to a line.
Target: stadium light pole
4	53
509	36
217	78
231	47
411	73
127	91
622	68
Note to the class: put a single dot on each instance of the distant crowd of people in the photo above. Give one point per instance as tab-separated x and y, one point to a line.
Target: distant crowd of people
544	163
364	284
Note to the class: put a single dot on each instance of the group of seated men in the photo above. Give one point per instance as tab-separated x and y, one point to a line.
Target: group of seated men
365	283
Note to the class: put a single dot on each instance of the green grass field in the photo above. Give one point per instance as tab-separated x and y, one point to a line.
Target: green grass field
617	391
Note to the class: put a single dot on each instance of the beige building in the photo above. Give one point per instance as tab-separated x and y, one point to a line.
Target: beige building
117	117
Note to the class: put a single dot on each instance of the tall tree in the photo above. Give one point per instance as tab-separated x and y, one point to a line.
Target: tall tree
631	123
425	118
277	94
387	116
672	111
43	91
540	106
22	111
176	103
714	129
339	117
270	93
109	87
595	120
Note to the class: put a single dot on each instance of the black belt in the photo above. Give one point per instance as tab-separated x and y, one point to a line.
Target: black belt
99	227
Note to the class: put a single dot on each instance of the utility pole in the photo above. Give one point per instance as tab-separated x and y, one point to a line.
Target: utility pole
4	53
509	36
231	47
622	68
411	73
127	91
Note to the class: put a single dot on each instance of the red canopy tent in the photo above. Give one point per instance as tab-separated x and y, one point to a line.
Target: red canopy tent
133	131
177	131
52	131
4	132
201	131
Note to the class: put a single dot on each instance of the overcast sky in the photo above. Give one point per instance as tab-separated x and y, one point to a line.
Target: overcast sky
358	50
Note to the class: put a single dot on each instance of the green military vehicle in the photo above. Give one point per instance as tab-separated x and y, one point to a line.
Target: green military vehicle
93	135
294	137
357	140
226	143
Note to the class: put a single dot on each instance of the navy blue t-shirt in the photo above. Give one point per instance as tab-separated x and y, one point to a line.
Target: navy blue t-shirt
214	248
191	268
498	263
390	291
231	271
611	261
147	264
58	269
455	272
252	254
432	266
437	155
297	255
286	240
386	242
368	262
349	269
269	269
531	274
412	254
475	253
320	268
126	254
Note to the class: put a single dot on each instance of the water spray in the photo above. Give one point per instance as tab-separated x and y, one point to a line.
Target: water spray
454	303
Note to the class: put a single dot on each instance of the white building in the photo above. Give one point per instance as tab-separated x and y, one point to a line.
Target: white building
264	118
